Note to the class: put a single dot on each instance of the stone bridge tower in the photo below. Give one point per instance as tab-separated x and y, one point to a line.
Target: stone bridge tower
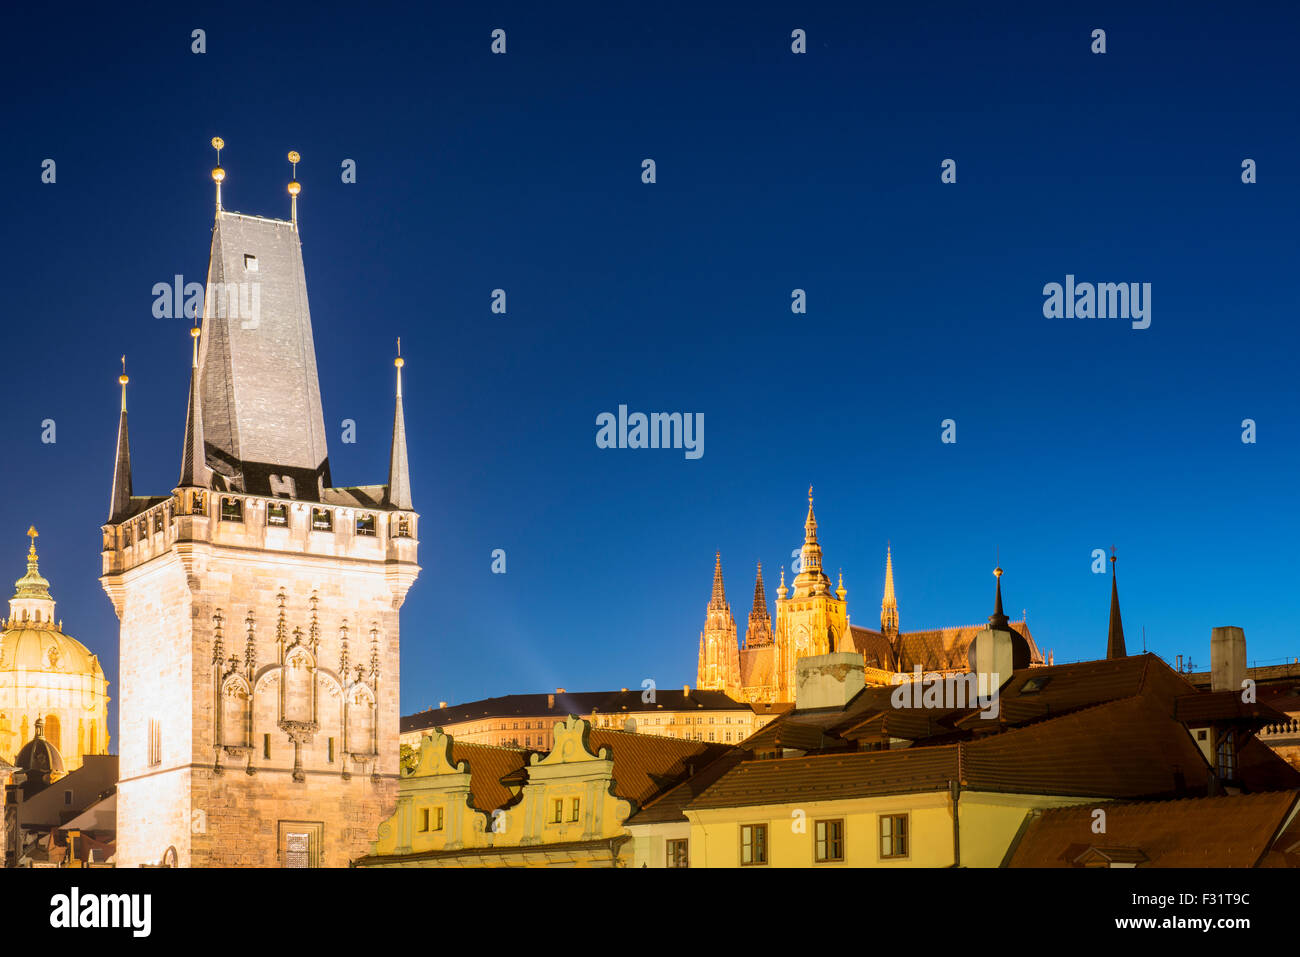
258	603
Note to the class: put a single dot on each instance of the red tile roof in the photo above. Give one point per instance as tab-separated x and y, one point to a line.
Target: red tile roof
1185	833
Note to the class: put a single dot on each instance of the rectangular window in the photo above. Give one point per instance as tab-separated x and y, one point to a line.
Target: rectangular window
557	810
250	262
574	806
155	743
322	520
830	841
679	854
366	525
437	819
424	819
266	747
893	835
232	510
330	758
753	844
277	515
67	798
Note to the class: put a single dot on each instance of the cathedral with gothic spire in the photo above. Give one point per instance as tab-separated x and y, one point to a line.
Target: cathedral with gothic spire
812	619
258	603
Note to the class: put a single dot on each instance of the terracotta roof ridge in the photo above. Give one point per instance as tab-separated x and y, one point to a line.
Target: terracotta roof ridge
841	755
1254	796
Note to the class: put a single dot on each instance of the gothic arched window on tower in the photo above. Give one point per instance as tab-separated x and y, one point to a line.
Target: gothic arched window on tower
322	520
298	687
365	525
361	721
232	510
234	714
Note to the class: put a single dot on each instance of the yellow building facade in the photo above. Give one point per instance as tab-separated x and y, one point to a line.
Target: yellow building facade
900	830
566	814
48	675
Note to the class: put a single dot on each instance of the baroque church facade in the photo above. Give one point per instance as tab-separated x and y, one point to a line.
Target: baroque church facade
812	619
258	603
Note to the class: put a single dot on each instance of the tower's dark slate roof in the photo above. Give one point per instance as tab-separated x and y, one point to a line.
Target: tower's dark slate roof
260	393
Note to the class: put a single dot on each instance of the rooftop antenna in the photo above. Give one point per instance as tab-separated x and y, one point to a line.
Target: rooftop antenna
1144	639
218	174
294	187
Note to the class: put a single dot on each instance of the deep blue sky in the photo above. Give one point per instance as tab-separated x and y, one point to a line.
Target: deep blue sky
775	171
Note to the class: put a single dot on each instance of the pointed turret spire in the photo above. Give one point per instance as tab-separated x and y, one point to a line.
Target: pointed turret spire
194	466
810	523
998	619
119	505
811	580
760	597
889	604
759	629
1115	636
719	597
399	473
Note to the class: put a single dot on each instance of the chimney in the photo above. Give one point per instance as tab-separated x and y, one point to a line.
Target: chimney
1227	658
442	704
550	702
559	691
828	681
686	691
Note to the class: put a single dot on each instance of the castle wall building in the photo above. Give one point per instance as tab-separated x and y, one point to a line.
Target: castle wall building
528	720
48	676
258	603
812	619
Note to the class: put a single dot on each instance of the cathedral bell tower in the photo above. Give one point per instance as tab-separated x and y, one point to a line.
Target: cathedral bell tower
258	604
813	619
719	666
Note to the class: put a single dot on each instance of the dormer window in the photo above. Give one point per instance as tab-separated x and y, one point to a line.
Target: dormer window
1035	685
322	520
232	510
277	514
250	262
365	525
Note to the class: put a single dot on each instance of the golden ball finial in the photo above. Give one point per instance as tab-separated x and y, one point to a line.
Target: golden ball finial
218	174
218	143
123	379
295	188
294	157
399	362
997	572
194	332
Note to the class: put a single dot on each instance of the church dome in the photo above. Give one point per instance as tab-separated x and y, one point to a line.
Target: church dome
39	755
30	647
32	639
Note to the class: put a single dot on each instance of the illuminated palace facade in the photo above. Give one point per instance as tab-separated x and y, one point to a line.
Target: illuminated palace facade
258	603
812	619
